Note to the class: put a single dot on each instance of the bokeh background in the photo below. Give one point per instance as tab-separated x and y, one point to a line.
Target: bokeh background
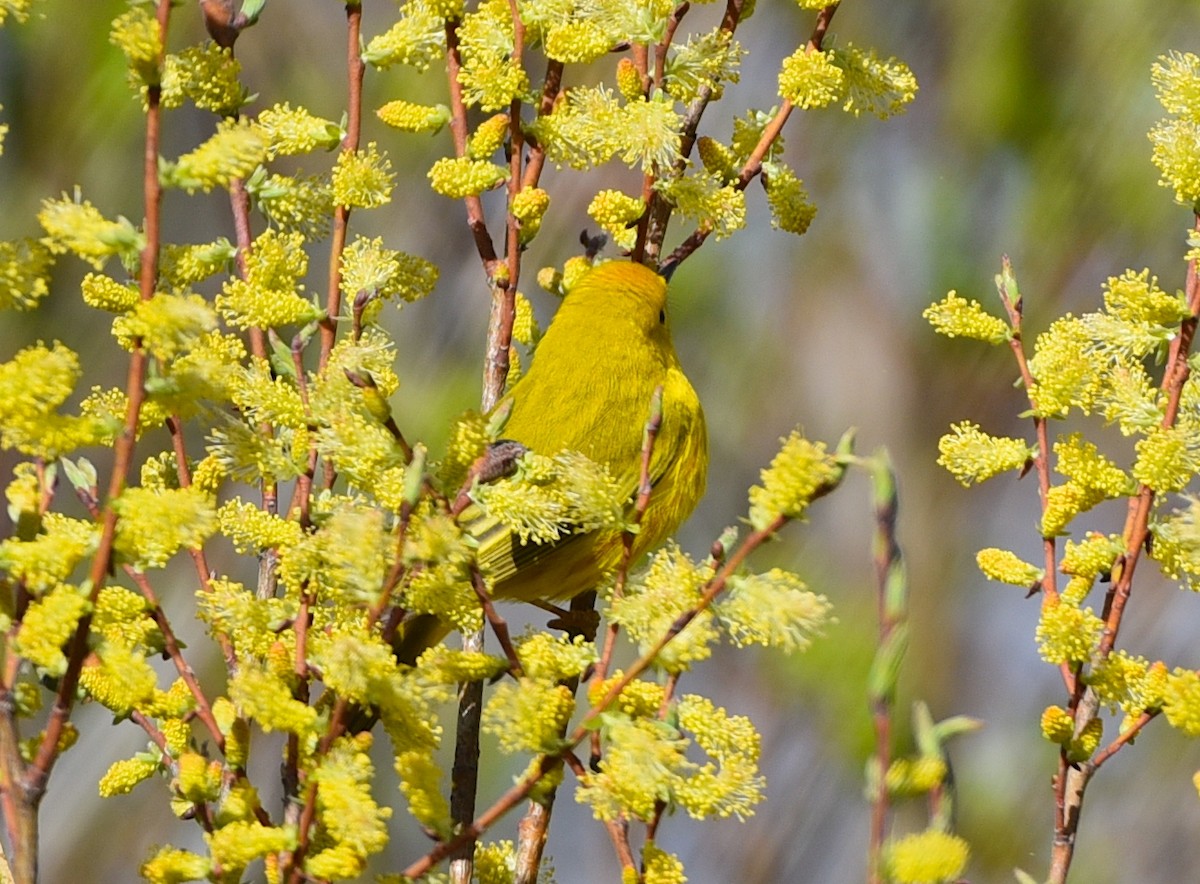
1028	138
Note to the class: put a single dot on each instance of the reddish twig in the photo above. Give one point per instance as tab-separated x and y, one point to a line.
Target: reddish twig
26	791
535	824
618	832
1014	307
551	89
239	203
355	68
458	131
1137	523
652	227
498	623
892	614
1123	740
1070	784
36	777
291	867
641	503
752	168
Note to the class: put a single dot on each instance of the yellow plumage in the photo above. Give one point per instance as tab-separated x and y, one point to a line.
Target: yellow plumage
589	390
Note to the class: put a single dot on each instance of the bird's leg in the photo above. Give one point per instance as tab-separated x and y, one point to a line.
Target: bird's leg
582	618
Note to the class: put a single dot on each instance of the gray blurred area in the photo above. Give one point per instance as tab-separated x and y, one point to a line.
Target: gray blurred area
1028	138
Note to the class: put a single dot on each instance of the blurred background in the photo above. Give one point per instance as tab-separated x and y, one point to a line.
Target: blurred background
1028	138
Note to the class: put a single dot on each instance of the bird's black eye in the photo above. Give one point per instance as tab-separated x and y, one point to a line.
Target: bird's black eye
662	317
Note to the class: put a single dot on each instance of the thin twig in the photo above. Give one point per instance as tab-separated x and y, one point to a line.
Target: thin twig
239	203
1071	782
356	68
752	168
551	89
292	863
1014	306
47	753
618	832
498	623
535	824
171	645
892	614
458	131
641	503
652	227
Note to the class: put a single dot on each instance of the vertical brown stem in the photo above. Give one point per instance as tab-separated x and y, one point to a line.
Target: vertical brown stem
1072	780
28	792
341	215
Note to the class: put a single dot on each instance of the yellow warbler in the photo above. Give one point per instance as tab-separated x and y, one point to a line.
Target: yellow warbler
589	390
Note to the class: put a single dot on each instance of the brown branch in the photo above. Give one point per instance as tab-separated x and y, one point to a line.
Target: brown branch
464	774
642	502
660	51
34	781
198	557
752	168
1125	738
239	203
173	649
170	643
1014	307
1070	785
304	812
617	832
465	770
458	131
498	623
652	227
551	89
355	69
20	814
1137	522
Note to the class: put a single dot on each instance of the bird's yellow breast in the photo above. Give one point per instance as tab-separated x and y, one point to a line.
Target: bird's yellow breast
589	390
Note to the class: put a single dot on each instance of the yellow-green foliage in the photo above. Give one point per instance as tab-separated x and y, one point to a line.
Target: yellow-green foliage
262	408
47	625
646	762
24	268
1125	365
354	823
1007	567
270	294
928	857
1175	139
972	455
207	76
362	179
958	317
655	599
232	152
800	472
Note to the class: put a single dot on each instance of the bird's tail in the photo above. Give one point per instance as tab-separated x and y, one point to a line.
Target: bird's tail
416	635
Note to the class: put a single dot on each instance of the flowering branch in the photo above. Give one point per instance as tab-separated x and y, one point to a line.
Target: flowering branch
1070	784
752	168
544	764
